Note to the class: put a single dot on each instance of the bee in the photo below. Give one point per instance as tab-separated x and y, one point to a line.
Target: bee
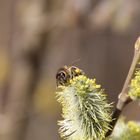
66	73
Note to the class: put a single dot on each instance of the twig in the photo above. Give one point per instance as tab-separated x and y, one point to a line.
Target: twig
123	98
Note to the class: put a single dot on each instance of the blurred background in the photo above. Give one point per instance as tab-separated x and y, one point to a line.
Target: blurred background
37	37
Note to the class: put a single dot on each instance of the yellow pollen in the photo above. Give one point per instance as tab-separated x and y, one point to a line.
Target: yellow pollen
77	70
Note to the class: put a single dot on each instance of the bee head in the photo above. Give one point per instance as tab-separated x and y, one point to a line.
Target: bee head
62	76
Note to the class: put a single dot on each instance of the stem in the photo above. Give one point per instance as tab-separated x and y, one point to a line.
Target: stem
123	98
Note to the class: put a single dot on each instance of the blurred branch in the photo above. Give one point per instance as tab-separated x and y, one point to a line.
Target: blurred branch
123	98
103	13
110	13
24	76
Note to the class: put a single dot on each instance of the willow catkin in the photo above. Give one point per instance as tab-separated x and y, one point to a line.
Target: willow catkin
85	111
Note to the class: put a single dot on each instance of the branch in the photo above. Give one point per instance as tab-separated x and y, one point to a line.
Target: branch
123	98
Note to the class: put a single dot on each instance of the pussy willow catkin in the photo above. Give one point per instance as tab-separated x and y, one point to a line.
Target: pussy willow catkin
134	91
126	130
85	111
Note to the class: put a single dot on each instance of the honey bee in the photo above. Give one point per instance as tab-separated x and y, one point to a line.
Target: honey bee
66	73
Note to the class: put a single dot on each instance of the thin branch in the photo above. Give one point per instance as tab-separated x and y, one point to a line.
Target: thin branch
123	98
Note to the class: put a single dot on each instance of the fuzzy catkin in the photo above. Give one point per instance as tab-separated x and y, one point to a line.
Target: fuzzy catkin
126	131
134	91
85	111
